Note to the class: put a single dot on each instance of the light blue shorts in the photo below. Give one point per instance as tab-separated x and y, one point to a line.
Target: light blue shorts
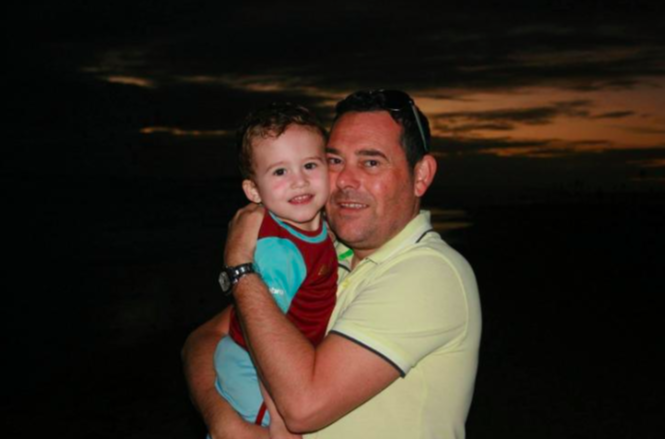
237	380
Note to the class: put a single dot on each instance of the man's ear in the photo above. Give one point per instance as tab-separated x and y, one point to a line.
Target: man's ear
251	191
423	174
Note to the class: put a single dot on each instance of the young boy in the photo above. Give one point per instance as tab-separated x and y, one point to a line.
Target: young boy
282	158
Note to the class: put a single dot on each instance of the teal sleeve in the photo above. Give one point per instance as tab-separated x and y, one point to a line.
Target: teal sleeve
282	268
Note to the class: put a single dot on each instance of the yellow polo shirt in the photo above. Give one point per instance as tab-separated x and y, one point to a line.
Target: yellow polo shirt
415	303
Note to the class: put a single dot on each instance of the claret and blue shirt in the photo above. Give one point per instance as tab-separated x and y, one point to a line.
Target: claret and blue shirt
300	270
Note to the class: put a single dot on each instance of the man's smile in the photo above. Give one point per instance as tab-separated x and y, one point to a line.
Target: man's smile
351	200
351	205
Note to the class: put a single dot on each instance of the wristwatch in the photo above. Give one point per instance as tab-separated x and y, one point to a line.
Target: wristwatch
231	275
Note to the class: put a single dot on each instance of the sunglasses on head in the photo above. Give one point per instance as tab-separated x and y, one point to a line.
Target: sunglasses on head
397	100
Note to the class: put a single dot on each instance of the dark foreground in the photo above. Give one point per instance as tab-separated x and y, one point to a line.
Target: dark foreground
105	293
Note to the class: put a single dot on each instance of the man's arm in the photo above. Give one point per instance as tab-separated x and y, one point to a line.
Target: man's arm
311	387
277	426
220	418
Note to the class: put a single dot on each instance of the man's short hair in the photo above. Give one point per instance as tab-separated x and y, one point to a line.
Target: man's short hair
411	139
271	121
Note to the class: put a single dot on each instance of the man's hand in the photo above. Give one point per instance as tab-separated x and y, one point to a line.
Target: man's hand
243	232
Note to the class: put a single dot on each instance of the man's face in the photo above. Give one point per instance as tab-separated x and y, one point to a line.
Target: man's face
372	191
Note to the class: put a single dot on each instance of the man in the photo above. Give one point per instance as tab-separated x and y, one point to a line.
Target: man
401	354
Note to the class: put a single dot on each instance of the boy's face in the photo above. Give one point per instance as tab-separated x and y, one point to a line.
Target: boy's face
290	176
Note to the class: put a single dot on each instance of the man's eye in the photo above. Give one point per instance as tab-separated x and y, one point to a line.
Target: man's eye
279	172
334	160
371	163
310	165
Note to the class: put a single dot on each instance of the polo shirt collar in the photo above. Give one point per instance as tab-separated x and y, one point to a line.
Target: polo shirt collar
408	236
344	255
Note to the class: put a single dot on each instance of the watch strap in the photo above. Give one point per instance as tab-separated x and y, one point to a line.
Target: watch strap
234	274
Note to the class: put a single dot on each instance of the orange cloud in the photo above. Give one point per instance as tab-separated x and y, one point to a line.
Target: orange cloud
130	80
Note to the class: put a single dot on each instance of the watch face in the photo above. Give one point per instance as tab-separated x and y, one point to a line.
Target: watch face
224	281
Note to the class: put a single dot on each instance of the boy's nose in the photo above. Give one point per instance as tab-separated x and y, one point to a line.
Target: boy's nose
299	180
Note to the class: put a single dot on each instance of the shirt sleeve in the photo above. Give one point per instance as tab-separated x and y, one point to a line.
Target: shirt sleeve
281	267
409	310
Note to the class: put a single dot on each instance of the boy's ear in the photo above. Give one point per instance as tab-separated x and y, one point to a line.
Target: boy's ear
251	191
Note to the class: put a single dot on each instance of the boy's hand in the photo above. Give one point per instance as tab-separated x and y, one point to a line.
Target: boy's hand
243	232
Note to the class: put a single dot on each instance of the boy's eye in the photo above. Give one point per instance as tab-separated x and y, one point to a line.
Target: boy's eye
279	172
310	165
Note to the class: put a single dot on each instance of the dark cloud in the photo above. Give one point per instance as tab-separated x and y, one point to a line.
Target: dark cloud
470	127
627	169
507	146
614	115
507	119
467	145
583	143
644	130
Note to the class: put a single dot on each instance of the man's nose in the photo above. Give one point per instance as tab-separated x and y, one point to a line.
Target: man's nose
348	177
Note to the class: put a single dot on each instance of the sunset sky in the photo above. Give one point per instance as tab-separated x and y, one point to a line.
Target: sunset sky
523	94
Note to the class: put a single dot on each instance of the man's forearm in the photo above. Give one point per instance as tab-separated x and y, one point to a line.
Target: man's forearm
283	356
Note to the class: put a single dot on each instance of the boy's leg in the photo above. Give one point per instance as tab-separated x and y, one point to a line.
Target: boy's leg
237	380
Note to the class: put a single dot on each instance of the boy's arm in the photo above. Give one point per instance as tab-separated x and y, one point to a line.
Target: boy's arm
221	419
